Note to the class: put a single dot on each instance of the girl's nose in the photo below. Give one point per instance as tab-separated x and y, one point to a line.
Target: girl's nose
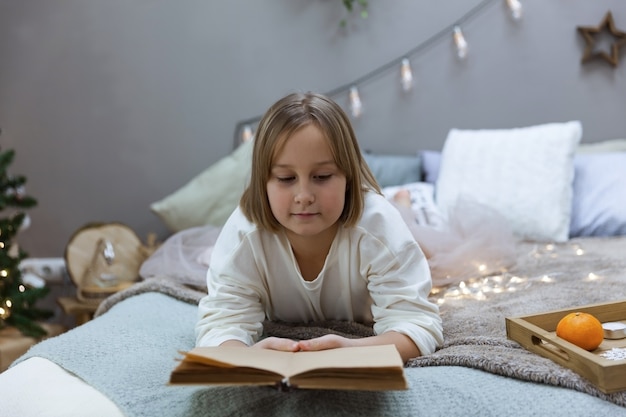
304	195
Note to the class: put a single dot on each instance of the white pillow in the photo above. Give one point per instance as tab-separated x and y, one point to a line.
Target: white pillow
211	196
526	174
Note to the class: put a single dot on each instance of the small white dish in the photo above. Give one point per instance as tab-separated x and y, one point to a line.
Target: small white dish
614	330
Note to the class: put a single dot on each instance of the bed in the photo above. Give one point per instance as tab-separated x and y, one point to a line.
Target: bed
568	250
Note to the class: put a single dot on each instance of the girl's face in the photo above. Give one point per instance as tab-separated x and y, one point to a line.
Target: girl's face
306	189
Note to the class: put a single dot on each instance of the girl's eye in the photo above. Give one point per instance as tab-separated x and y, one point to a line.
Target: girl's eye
324	177
285	179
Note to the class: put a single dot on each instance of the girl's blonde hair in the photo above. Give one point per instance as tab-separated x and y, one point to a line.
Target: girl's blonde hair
281	120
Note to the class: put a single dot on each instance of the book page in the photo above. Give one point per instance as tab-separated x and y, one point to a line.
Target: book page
288	364
234	357
366	357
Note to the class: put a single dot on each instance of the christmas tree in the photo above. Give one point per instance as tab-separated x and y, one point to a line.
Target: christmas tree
17	300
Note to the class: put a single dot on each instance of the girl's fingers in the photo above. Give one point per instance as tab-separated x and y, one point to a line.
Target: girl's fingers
277	343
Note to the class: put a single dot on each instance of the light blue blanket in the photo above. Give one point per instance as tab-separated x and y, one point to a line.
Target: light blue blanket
129	352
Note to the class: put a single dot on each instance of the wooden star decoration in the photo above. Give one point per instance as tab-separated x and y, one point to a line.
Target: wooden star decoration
589	33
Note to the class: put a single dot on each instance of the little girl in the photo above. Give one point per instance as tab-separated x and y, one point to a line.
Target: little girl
313	239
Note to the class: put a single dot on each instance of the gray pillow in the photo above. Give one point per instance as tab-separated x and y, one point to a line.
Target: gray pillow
394	169
599	195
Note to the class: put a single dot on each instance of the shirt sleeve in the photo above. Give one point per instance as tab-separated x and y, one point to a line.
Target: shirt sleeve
399	282
400	301
232	310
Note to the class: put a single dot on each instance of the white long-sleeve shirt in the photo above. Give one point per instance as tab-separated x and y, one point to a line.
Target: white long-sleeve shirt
374	272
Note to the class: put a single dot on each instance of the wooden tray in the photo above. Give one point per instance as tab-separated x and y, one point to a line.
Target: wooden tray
537	333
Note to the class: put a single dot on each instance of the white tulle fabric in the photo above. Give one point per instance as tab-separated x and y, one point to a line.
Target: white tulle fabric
476	241
183	257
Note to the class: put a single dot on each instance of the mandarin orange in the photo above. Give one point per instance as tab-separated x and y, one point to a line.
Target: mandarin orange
582	329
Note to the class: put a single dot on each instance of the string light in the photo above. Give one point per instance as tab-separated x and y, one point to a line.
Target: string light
460	42
246	134
356	106
5	309
516	9
480	286
406	75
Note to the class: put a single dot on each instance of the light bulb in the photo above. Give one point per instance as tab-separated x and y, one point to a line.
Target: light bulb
406	75
246	134
460	42
5	309
516	9
355	102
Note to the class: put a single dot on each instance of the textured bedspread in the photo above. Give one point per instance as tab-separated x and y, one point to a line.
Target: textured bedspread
545	277
579	272
128	353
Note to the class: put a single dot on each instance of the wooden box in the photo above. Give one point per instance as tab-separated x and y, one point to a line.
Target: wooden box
537	333
14	344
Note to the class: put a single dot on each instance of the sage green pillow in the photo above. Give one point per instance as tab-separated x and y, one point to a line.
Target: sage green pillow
211	196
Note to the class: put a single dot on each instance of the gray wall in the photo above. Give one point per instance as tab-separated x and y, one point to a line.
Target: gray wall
114	104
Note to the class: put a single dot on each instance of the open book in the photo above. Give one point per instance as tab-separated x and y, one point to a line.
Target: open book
351	368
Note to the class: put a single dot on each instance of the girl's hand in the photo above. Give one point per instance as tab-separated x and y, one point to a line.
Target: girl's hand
329	341
403	343
277	343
